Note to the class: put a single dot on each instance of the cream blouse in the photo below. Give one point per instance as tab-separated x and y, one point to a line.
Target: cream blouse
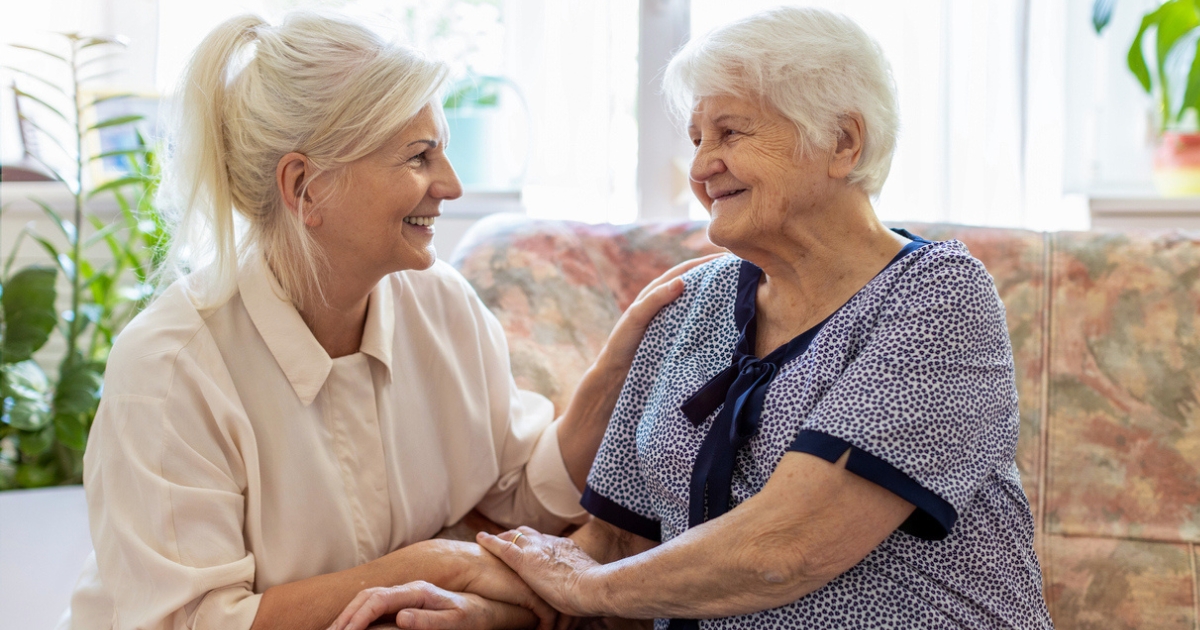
230	454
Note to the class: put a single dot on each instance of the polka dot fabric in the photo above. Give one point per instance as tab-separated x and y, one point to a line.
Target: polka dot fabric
914	375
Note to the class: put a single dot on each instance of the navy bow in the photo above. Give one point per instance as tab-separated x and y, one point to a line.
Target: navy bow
741	387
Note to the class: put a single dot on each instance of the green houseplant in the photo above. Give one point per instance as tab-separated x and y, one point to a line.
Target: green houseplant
45	417
1171	32
473	115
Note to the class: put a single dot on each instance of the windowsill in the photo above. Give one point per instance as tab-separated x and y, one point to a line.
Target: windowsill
1133	209
479	203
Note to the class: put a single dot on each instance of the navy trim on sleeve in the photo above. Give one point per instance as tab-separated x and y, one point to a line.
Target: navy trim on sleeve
934	516
613	513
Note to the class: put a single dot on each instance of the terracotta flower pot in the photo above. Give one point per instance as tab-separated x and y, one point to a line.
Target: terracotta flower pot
1177	164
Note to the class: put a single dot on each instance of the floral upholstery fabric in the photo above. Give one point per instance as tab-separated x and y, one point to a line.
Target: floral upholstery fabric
1105	331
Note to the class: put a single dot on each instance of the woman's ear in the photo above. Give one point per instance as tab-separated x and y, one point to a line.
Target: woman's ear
849	146
293	175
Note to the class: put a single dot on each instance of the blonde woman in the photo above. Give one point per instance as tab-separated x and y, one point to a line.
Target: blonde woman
293	422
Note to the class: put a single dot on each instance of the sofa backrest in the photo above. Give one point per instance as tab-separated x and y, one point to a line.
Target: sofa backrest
1105	331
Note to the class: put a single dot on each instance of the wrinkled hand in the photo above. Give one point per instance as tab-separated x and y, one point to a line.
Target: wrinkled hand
555	568
627	335
474	570
423	606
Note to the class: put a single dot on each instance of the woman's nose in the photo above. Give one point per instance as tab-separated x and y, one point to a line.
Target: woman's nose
447	184
705	164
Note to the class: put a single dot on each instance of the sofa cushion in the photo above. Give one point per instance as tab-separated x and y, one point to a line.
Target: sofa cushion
1124	435
558	287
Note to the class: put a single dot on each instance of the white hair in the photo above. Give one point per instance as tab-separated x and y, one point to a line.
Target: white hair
318	85
812	65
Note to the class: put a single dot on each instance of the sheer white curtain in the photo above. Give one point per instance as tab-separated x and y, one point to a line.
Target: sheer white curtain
577	63
980	91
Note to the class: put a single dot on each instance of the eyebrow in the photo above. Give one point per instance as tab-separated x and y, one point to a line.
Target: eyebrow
433	144
722	119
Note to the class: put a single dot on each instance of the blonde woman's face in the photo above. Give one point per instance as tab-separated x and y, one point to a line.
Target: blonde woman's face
382	217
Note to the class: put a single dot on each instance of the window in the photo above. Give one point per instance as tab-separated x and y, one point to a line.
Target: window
973	107
567	132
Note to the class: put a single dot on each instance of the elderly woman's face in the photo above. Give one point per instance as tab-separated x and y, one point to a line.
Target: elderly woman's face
747	171
380	217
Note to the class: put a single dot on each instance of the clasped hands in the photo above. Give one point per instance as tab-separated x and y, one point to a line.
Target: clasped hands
514	580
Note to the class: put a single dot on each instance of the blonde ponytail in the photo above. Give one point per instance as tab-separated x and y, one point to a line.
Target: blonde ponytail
316	84
197	174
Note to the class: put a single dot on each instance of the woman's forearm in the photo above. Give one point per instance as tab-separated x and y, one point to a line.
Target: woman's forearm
587	414
586	418
722	568
316	602
605	543
811	523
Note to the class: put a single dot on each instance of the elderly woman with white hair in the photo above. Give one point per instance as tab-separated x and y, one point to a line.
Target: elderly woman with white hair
820	432
295	419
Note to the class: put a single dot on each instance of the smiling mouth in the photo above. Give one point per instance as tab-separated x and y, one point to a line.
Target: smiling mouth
420	221
728	195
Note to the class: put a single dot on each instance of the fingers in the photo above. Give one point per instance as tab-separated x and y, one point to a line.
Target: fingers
466	611
501	546
676	271
373	603
662	290
647	305
351	608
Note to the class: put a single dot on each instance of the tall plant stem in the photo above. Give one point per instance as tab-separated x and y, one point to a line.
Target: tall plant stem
76	247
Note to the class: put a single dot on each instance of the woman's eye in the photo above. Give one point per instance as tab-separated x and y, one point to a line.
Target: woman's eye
419	159
730	132
696	142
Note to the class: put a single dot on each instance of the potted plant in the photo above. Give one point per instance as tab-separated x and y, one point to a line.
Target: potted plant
474	119
1172	33
45	414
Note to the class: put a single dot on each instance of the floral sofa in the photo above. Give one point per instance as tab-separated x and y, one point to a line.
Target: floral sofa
1105	330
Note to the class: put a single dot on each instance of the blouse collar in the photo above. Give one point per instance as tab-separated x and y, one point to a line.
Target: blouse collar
303	361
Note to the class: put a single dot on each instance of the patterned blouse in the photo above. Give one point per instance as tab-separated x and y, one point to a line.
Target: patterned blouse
913	375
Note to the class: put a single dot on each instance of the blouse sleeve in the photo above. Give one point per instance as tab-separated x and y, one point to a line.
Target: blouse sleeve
928	407
534	487
165	489
617	490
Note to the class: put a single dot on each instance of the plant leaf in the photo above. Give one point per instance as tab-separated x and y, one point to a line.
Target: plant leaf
71	186
100	41
118	120
24	392
41	50
104	232
110	97
43	81
33	123
29	313
33	443
131	153
1102	12
1136	59
128	180
78	390
54	110
12	256
62	260
1182	63
72	430
66	227
34	475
